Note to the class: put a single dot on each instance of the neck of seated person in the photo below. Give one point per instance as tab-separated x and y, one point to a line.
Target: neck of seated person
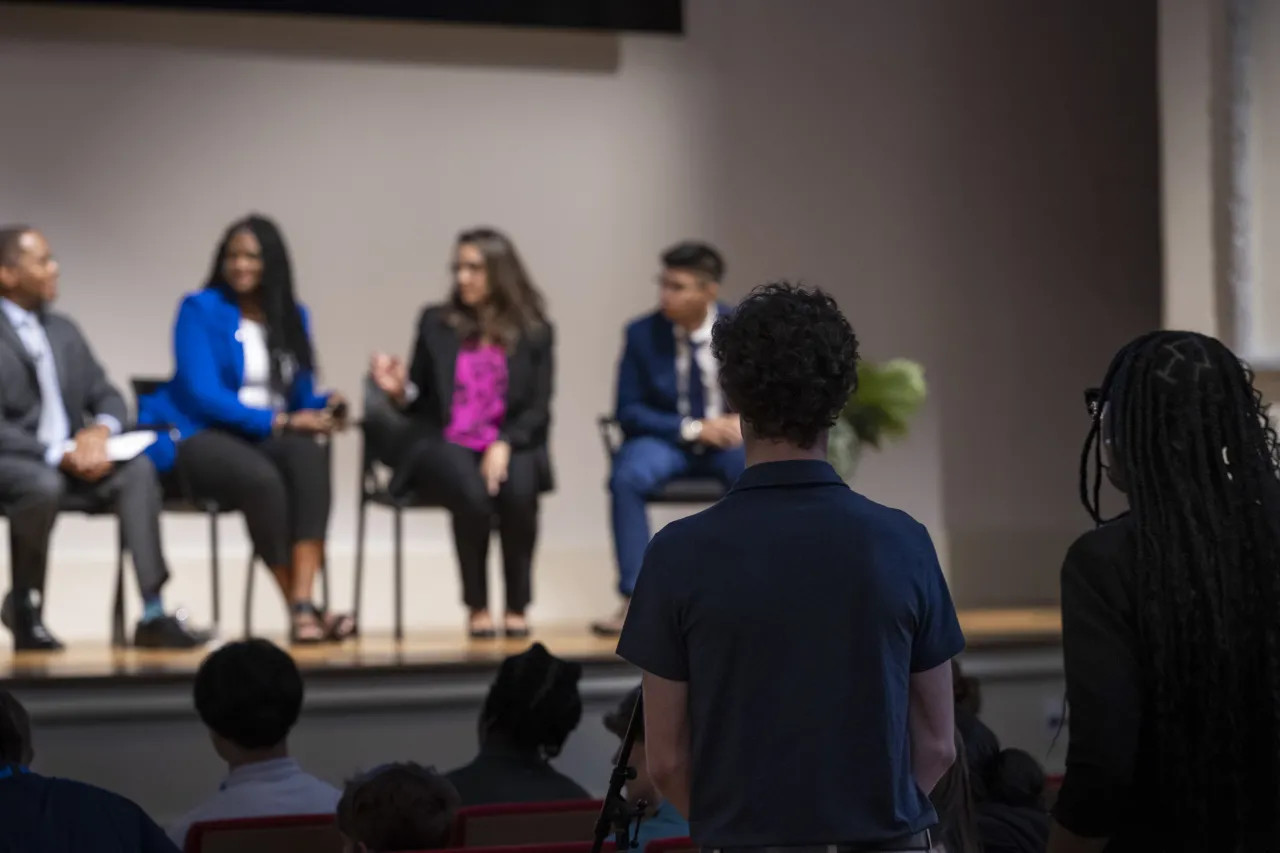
759	450
239	756
499	741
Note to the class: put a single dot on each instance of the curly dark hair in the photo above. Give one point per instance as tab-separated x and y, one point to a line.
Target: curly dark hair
399	807
1192	447
249	692
788	362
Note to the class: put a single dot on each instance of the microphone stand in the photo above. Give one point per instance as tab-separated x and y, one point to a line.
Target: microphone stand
616	815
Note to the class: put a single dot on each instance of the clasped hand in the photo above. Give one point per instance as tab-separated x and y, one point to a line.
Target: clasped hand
88	461
722	432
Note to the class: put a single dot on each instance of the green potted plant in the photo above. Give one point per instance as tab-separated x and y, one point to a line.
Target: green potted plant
879	411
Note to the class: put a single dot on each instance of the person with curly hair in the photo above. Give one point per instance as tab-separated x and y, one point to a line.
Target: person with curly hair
795	638
670	407
1170	633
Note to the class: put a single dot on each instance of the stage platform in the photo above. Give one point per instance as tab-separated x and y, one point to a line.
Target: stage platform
441	652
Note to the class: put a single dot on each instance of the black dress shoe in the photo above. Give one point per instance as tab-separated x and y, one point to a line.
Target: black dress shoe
168	632
21	615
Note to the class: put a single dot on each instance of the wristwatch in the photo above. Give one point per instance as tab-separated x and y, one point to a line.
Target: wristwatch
690	430
280	423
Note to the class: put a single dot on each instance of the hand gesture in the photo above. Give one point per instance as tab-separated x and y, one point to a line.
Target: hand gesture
390	374
338	410
721	433
493	466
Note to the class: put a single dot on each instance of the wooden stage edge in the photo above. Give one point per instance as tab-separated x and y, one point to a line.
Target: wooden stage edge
443	651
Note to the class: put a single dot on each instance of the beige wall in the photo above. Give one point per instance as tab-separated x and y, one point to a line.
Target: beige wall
976	182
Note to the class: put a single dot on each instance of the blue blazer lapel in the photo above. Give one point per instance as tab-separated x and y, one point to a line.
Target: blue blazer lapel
664	361
228	317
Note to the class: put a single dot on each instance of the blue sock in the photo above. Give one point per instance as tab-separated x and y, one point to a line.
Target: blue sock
152	608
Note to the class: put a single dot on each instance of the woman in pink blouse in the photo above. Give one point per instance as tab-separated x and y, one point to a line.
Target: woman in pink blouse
479	390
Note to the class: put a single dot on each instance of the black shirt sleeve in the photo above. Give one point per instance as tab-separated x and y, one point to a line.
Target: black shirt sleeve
653	638
1104	698
938	637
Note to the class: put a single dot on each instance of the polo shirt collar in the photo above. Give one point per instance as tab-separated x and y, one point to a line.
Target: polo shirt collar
794	472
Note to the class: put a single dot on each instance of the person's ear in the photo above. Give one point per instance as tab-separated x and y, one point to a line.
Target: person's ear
8	277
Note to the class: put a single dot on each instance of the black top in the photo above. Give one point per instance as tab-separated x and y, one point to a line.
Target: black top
43	815
1108	779
796	610
509	776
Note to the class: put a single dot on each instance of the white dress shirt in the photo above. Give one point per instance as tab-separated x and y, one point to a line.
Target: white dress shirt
55	428
272	788
710	368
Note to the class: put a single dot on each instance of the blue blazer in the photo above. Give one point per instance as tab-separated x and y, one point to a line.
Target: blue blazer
208	373
648	394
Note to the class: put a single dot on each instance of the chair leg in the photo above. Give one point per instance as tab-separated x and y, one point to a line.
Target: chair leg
118	638
356	596
399	573
248	596
214	582
324	584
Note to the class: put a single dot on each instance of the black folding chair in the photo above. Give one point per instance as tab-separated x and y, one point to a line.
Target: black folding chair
679	491
384	434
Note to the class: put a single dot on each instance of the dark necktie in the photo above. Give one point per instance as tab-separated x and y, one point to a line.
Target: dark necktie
697	391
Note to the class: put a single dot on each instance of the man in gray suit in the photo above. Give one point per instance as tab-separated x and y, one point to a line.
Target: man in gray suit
52	390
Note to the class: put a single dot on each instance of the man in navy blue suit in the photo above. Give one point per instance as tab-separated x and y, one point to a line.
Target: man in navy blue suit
669	406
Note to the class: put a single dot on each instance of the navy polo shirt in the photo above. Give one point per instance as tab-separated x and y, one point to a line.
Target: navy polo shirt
796	610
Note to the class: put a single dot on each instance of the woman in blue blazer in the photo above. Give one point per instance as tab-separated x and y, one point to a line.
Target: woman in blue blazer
249	429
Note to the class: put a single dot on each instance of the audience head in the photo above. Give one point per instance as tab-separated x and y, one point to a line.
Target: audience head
493	296
249	695
953	801
1016	779
642	786
28	270
397	807
788	363
252	262
534	704
15	732
1183	432
690	282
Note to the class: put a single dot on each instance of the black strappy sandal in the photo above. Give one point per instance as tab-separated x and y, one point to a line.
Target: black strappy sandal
303	617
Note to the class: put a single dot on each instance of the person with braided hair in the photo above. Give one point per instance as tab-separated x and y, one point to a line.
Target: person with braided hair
532	708
1171	632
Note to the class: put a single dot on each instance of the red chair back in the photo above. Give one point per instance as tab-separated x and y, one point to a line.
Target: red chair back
511	824
286	834
671	845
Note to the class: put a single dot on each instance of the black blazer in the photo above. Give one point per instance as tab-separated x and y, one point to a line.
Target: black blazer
530	375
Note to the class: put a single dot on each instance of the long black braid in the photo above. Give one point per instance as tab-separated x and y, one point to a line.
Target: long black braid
1194	450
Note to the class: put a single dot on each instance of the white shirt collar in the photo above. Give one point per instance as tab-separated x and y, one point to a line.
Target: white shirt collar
17	315
702	334
275	770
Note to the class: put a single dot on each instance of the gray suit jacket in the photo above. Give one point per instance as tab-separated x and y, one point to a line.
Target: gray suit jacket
86	391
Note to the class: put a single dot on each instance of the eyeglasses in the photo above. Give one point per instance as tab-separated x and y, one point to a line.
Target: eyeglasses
1093	401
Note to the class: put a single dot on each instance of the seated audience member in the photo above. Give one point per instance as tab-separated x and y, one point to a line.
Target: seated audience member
661	819
981	744
952	799
478	391
397	807
249	695
44	815
1012	818
55	391
669	406
252	425
530	711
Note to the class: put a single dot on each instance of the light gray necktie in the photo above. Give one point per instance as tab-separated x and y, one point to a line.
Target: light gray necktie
53	428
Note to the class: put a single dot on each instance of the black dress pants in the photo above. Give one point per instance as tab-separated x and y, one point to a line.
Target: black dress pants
449	475
282	485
